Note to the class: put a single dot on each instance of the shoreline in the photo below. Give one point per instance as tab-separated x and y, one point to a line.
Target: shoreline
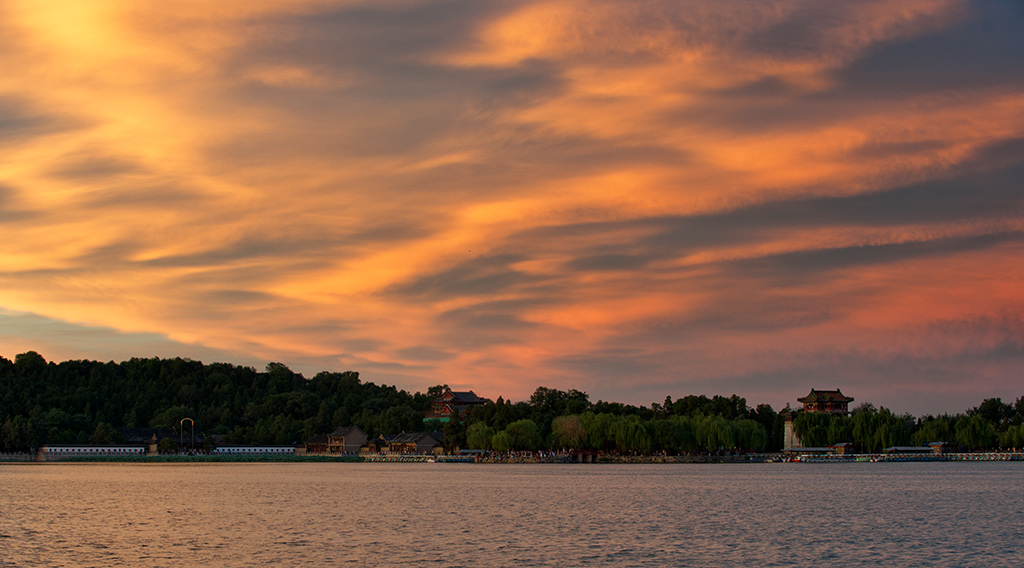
525	459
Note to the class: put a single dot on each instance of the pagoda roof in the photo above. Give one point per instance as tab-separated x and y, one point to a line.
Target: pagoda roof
463	397
825	396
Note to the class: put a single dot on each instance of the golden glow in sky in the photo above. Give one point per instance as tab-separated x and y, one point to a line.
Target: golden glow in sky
633	199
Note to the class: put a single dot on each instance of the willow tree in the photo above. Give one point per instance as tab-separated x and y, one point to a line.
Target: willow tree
568	432
479	436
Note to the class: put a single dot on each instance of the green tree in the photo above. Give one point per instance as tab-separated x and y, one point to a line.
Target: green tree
524	434
29	363
994	410
16	435
667	435
479	436
812	428
103	434
599	430
454	433
975	432
863	428
209	444
559	403
889	430
167	446
170	418
502	442
630	435
933	429
568	432
1013	437
750	435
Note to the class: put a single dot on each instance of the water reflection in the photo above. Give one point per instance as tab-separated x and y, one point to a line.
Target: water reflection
491	515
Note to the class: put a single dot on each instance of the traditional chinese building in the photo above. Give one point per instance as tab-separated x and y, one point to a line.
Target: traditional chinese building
823	401
316	445
345	440
379	444
417	443
452	403
827	401
422	443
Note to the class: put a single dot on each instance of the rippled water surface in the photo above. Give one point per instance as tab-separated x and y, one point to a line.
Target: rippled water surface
327	514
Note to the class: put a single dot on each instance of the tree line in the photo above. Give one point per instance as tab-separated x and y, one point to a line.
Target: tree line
991	425
87	401
554	419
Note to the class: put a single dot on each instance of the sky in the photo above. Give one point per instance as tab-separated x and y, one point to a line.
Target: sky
636	199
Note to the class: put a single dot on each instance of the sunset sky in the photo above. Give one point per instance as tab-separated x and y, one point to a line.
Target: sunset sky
634	199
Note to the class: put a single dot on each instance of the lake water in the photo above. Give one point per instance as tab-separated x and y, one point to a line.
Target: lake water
328	514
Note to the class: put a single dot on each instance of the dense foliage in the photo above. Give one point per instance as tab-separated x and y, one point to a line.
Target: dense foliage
86	401
992	424
554	419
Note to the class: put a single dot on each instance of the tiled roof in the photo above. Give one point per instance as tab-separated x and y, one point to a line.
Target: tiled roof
467	397
825	396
